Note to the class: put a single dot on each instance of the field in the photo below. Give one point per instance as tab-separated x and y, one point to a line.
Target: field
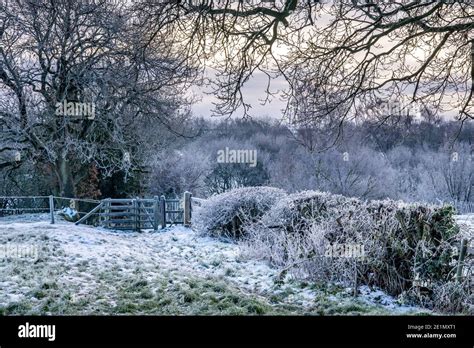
79	270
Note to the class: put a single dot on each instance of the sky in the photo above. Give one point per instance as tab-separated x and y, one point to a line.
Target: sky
254	92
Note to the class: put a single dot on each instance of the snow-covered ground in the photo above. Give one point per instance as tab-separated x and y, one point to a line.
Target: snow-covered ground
90	270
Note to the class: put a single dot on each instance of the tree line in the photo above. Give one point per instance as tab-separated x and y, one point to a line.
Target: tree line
402	159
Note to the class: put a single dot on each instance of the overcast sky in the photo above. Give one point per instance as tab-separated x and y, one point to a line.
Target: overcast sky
254	93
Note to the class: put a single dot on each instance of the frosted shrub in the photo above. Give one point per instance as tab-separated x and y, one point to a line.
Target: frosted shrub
226	214
453	297
406	247
297	232
415	243
297	212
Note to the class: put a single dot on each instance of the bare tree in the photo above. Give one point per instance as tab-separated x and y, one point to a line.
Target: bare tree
420	51
333	54
91	53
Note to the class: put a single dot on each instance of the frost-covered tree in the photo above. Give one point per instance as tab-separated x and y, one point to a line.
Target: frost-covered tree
411	163
89	53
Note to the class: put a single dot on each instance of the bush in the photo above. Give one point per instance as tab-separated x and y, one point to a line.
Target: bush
226	214
298	212
294	235
400	246
414	246
453	297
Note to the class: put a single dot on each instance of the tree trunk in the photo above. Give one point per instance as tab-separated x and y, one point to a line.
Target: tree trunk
65	178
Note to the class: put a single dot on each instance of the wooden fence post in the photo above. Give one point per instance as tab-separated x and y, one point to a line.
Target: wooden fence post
140	206
462	255
187	209
135	213
107	212
156	212
51	208
163	211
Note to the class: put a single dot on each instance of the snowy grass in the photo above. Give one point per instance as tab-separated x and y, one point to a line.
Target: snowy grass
86	270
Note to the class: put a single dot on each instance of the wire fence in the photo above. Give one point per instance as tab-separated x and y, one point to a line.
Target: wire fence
18	205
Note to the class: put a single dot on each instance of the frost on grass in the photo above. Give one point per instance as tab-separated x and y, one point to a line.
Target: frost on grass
85	270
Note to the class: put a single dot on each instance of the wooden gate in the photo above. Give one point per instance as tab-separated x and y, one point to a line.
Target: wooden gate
142	213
